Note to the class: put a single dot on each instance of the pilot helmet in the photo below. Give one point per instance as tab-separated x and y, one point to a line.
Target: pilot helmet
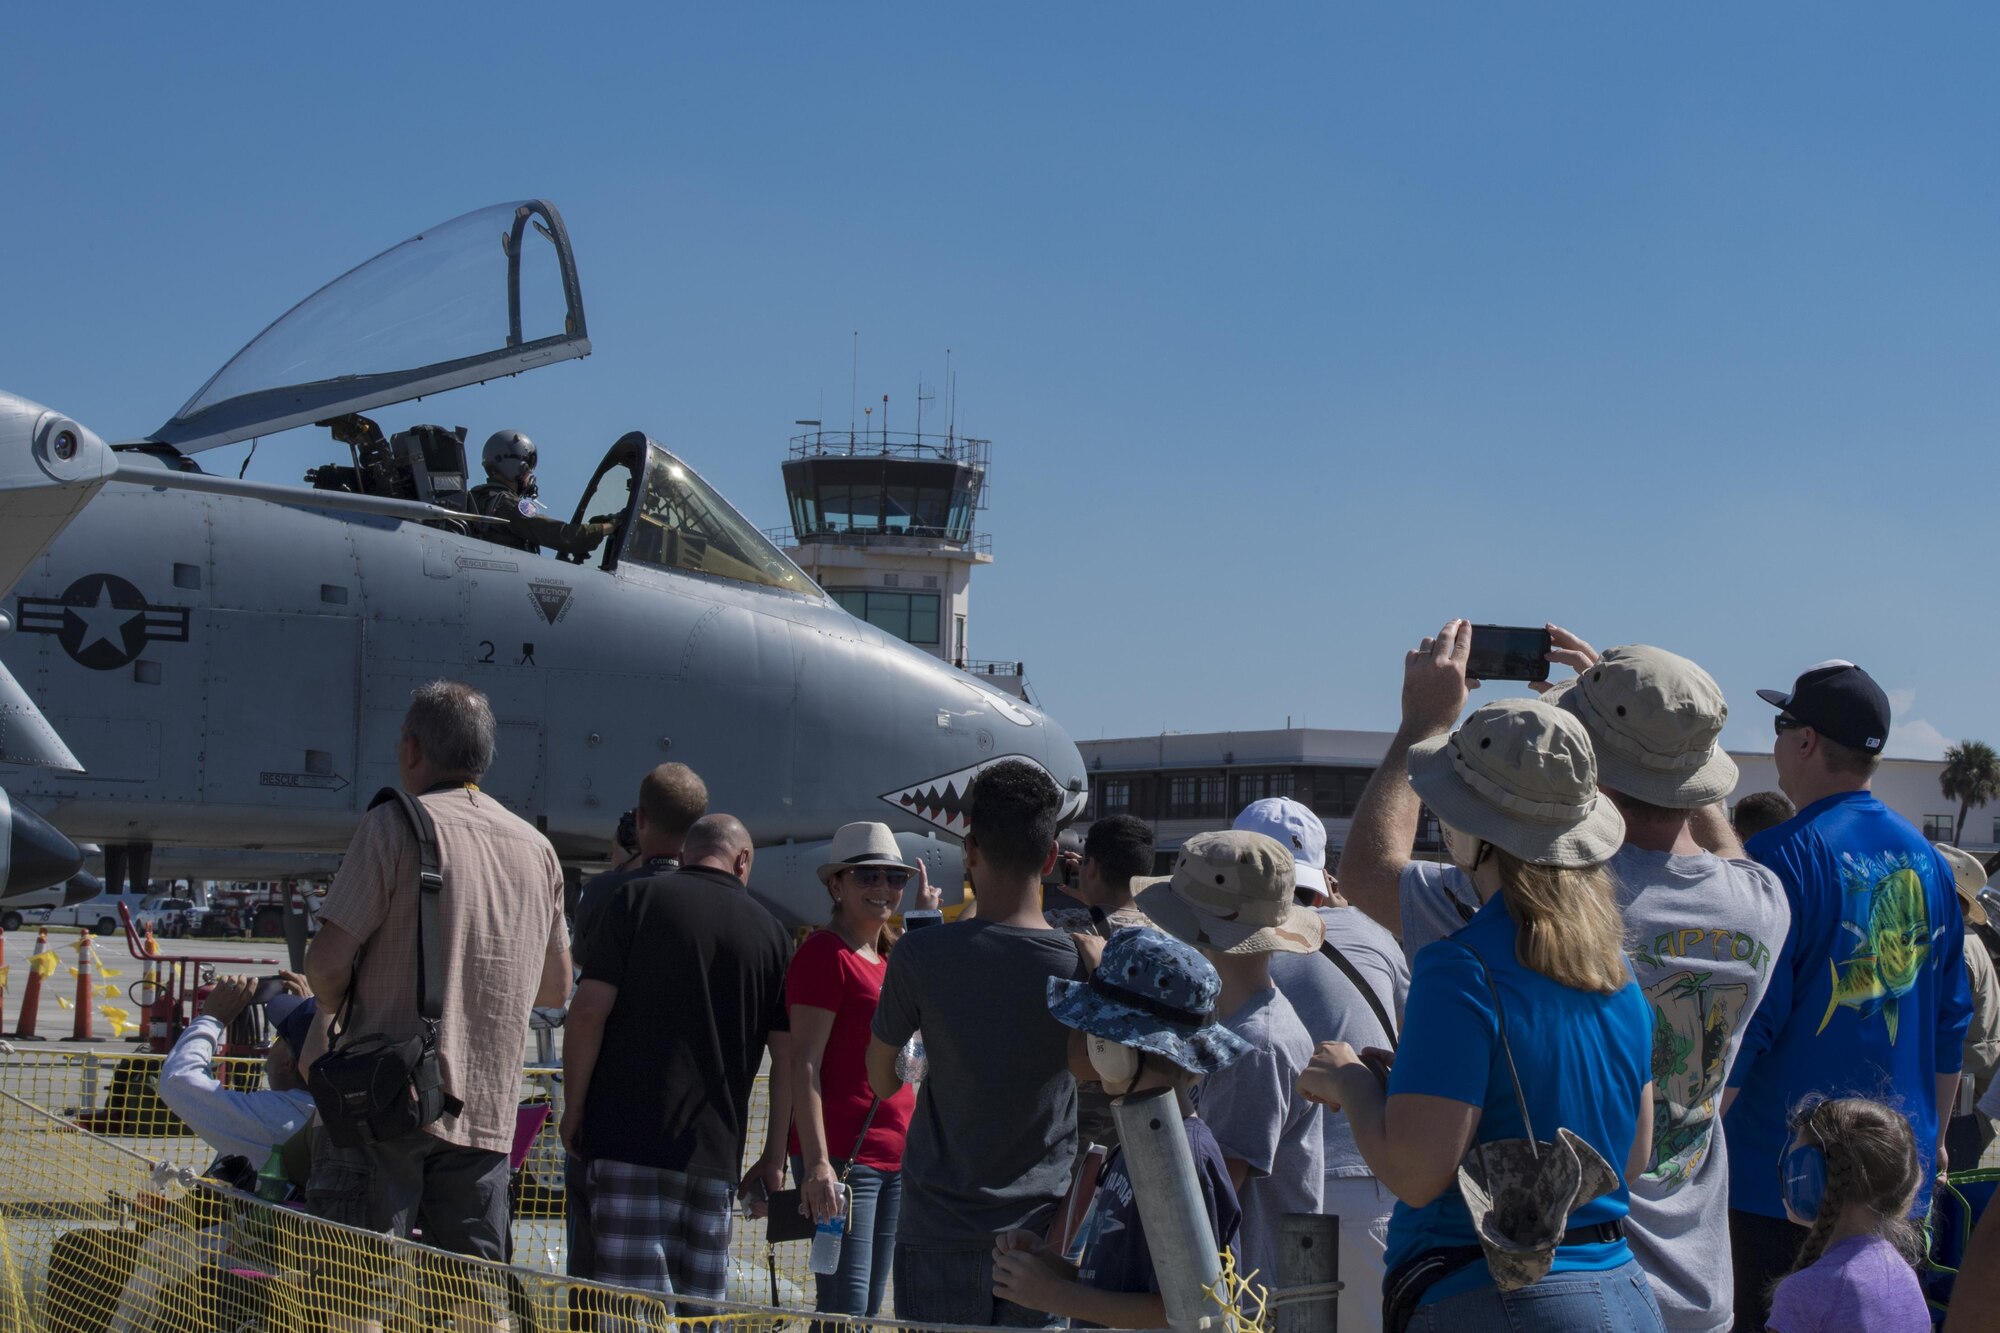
509	457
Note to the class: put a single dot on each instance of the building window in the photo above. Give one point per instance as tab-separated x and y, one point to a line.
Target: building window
1114	797
1260	786
910	616
1335	792
1194	795
1939	828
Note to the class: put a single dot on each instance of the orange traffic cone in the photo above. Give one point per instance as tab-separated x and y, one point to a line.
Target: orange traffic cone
82	1031
40	965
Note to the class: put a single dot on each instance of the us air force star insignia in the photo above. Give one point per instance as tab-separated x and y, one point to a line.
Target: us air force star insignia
102	621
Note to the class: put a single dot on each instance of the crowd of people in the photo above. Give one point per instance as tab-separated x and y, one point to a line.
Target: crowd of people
1615	1061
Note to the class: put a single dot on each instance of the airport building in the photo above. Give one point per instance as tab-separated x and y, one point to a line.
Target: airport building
1185	783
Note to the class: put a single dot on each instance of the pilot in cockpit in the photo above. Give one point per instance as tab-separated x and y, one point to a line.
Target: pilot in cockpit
510	493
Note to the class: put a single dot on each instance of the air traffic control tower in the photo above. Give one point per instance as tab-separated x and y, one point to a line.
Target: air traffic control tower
882	521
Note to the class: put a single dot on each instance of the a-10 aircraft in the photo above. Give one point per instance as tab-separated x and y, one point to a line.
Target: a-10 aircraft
198	661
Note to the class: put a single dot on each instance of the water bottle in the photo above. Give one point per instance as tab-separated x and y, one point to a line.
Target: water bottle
827	1236
912	1065
271	1183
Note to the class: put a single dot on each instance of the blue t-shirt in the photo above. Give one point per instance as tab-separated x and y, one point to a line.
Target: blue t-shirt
1584	1060
1115	1254
1868	999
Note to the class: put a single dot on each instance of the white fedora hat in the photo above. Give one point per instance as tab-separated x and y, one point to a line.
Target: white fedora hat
862	844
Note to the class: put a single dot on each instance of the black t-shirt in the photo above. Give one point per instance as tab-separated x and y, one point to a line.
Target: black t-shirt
700	971
596	895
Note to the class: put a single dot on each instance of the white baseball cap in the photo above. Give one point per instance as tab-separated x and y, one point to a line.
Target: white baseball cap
1295	827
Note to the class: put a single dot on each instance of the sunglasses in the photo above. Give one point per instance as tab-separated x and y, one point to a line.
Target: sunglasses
872	877
1785	722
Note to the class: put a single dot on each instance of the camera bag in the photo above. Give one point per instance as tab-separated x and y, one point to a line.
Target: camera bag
376	1088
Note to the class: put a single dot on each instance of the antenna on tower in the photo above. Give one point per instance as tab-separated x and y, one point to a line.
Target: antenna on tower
853	389
951	399
922	398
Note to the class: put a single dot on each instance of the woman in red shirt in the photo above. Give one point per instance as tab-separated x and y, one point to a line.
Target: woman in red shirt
832	989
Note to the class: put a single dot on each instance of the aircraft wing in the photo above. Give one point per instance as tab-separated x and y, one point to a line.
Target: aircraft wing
491	293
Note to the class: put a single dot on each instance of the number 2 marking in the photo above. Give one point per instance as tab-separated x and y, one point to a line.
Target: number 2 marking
487	644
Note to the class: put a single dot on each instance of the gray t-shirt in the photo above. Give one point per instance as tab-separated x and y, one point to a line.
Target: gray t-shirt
1332	1010
993	1136
1437	900
1257	1117
1702	934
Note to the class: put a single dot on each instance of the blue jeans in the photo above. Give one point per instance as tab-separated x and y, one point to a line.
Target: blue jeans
1616	1301
869	1246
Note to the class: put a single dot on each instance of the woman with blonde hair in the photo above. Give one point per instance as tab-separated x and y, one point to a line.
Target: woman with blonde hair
1520	1094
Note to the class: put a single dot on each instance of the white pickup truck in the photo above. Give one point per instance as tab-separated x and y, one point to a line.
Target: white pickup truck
99	915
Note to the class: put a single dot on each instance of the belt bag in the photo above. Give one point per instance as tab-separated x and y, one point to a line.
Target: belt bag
375	1087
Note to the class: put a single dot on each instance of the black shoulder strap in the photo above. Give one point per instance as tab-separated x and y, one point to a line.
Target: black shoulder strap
430	884
1101	922
1382	1014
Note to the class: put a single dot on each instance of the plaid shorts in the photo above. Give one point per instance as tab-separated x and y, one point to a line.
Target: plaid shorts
660	1230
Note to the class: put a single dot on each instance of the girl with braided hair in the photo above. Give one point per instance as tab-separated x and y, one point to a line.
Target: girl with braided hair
1851	1175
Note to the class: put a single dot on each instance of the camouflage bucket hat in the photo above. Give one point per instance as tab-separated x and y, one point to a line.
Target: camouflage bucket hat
1232	892
1153	993
1520	1194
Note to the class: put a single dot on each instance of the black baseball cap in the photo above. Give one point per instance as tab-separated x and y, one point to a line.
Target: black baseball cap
1840	701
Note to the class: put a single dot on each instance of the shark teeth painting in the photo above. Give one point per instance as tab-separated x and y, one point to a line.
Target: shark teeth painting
941	800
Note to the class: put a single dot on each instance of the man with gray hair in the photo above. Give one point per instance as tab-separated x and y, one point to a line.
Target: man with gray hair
504	950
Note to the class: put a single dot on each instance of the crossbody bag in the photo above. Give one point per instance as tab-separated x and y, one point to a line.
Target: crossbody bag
375	1088
786	1221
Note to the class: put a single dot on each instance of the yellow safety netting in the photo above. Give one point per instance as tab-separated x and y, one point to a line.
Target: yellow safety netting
106	1226
115	1095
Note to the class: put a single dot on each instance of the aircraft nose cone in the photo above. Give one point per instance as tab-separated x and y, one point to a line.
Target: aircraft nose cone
37	855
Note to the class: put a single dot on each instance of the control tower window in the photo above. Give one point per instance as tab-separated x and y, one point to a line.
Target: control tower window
910	616
683	524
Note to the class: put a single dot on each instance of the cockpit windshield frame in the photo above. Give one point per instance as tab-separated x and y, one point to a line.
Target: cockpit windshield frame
207	421
674	520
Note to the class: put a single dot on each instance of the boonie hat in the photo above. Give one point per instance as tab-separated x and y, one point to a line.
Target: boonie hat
1153	993
862	844
1840	700
1520	1194
1232	892
1968	877
1522	775
1655	720
1291	824
291	1017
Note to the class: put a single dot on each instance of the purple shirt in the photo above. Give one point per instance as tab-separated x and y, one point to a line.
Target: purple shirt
1861	1282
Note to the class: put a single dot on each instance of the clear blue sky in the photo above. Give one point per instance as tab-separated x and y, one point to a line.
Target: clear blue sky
1297	330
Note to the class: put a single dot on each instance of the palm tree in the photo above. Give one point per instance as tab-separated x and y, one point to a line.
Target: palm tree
1971	777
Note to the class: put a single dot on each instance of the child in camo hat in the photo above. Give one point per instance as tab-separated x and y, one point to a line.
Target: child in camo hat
1144	1020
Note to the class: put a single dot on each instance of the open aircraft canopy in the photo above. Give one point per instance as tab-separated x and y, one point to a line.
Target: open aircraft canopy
491	293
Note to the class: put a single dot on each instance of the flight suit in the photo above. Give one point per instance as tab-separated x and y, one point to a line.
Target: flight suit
530	532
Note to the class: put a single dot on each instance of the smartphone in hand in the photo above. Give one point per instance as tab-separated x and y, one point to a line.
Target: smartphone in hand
1509	652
